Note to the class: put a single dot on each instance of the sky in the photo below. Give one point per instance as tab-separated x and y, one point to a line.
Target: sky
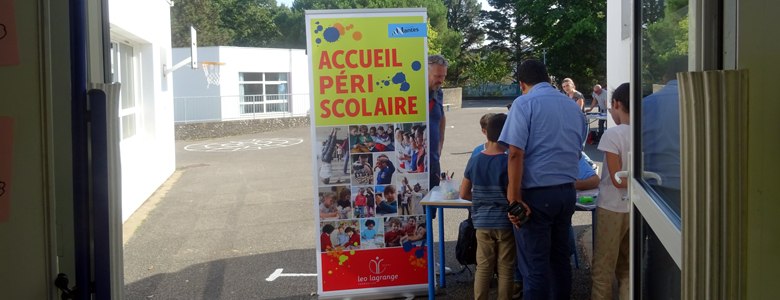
485	5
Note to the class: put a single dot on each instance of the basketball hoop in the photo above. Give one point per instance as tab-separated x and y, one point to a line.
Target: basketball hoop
212	71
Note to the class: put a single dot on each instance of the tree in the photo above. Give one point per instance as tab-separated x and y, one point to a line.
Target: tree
491	68
463	17
250	21
205	16
572	32
293	31
665	37
500	26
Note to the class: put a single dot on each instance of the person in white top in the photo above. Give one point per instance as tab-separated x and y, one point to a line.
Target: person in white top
600	98
611	247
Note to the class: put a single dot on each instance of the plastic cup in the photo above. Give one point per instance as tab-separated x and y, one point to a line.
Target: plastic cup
450	189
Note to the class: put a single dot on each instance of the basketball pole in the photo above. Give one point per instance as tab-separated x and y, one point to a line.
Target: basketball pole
177	66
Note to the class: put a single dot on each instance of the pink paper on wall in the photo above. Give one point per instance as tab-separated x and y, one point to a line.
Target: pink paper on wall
6	161
9	45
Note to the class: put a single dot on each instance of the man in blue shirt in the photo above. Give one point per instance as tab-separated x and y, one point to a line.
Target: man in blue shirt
437	70
544	132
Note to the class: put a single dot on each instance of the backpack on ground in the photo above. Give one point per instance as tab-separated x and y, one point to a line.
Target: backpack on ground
466	247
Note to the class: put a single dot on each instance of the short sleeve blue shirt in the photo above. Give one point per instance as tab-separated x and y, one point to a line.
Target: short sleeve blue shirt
550	128
586	171
489	178
435	113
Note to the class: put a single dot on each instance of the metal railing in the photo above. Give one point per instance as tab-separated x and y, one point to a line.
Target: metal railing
227	108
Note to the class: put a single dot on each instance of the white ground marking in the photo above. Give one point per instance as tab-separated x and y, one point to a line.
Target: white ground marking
278	273
244	145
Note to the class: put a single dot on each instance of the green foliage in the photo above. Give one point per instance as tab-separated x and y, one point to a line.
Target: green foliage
247	23
574	34
463	19
293	31
665	37
205	16
500	26
491	68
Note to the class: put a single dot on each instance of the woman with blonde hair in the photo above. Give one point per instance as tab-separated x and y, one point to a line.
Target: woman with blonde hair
571	91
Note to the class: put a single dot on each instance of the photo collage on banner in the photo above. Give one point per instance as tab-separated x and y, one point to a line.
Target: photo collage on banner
369	175
370	143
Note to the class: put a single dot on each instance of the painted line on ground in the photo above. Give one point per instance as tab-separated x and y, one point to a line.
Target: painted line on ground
278	273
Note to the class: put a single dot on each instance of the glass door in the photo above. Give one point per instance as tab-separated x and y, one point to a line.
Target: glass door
660	50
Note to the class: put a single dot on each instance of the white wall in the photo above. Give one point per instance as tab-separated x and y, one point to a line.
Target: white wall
618	50
148	158
192	83
195	98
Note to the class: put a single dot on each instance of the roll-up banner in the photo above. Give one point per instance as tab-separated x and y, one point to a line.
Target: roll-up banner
369	90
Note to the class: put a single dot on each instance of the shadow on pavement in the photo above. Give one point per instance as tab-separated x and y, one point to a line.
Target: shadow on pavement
232	278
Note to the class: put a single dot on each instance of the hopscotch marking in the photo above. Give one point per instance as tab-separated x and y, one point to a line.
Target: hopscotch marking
278	273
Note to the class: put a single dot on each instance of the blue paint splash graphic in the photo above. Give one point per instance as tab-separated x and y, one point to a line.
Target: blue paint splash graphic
319	28
387	83
318	40
405	86
416	65
331	34
399	78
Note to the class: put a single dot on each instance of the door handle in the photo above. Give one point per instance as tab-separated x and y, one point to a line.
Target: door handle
62	283
620	174
652	175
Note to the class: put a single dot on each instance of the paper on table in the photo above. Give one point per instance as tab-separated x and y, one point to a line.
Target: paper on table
6	161
438	196
9	46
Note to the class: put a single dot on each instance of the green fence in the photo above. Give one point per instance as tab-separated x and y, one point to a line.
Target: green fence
492	90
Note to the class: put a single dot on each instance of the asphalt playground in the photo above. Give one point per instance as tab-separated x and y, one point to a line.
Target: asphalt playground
239	208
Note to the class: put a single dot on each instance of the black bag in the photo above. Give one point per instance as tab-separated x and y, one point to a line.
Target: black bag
466	248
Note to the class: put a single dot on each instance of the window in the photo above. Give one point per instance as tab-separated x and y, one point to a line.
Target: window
124	68
263	92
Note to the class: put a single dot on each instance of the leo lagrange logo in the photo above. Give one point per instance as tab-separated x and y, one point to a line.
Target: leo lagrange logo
407	30
377	267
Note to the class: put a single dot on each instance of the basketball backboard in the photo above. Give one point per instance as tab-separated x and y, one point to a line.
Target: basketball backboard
193	47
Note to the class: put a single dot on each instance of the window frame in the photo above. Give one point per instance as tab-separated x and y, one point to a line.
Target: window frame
135	86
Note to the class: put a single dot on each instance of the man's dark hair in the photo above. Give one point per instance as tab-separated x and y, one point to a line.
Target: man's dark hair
676	65
532	72
494	127
370	222
509	106
622	94
328	228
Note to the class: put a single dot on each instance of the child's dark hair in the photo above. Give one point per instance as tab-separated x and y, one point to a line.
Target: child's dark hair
484	120
494	127
389	190
349	229
345	192
380	128
412	218
622	94
421	225
372	129
370	222
328	228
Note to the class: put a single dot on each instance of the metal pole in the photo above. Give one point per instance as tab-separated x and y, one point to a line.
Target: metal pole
544	53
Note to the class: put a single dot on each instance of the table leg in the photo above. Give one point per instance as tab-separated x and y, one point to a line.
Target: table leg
429	245
441	247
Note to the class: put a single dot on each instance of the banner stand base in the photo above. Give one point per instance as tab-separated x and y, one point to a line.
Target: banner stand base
379	293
